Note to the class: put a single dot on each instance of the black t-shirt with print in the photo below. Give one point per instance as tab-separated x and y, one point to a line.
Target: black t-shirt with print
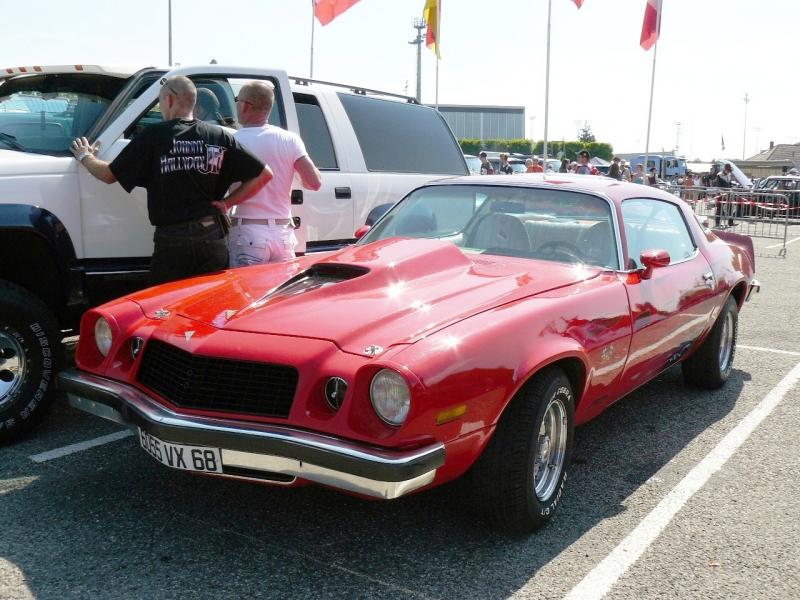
185	165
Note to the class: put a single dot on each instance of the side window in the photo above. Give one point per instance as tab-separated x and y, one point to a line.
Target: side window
398	137
655	225
216	103
314	132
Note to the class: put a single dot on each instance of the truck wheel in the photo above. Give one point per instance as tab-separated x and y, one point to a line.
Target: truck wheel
710	366
30	350
519	478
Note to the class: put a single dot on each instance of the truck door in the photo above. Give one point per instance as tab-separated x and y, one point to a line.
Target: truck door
116	223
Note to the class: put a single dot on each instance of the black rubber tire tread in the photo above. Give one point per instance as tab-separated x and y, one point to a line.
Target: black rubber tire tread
701	369
502	477
24	313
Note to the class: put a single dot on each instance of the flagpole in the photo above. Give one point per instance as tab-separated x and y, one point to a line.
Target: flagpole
438	46
169	31
652	87
311	67
547	82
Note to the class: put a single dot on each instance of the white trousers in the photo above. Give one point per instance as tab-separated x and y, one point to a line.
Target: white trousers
257	244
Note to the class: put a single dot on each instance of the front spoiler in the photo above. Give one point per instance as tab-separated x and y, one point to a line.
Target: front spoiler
259	447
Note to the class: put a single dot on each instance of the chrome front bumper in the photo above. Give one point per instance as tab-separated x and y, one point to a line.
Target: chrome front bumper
755	286
257	447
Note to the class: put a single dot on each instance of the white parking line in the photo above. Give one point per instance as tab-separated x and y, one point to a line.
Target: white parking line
80	446
762	349
787	243
599	580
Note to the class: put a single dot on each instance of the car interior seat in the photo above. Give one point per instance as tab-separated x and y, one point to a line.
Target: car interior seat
500	231
596	245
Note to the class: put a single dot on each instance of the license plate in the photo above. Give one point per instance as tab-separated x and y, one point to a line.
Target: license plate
177	456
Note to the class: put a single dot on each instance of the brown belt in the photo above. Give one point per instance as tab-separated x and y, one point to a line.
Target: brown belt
236	221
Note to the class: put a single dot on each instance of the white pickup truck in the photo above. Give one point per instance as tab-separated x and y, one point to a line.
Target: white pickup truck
68	241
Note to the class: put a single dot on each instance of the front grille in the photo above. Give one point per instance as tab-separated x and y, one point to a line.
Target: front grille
218	384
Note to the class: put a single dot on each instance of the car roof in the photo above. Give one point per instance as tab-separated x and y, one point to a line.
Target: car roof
615	190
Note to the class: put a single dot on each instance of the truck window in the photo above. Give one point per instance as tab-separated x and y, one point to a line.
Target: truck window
398	137
315	133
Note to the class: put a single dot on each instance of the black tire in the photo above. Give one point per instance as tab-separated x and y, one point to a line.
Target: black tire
709	367
503	478
30	356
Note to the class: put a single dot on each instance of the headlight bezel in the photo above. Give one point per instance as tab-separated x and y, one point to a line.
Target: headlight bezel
103	328
397	415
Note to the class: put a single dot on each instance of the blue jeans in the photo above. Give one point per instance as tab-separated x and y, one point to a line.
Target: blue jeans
187	249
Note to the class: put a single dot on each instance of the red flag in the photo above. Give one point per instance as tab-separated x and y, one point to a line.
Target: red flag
578	3
327	10
431	13
651	24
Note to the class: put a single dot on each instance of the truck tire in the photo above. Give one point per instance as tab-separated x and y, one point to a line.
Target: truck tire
30	356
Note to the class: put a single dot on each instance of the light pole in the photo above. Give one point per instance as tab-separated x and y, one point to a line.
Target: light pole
419	25
169	31
531	120
677	136
744	136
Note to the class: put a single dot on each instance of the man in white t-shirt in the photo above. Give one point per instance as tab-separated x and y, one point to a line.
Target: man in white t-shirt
262	227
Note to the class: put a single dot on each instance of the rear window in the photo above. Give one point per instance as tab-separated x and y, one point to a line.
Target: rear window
403	138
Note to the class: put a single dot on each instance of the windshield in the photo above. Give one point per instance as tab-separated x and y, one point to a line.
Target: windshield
539	223
44	113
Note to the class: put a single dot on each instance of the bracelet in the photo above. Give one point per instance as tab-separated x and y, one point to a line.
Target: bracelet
82	155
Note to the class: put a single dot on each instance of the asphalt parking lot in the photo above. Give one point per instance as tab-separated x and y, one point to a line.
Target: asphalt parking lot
673	493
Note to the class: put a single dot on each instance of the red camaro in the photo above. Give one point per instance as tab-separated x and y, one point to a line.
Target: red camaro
467	333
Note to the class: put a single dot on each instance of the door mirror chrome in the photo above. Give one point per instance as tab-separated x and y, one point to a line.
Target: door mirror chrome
653	259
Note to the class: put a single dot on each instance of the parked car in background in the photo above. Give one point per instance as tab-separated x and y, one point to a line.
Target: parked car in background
473	164
467	333
78	242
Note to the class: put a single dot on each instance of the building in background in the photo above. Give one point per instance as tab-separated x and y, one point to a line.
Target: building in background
485	122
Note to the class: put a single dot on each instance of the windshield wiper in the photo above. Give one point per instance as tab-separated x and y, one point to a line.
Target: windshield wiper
11	142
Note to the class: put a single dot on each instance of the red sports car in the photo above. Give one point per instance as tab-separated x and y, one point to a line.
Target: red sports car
467	333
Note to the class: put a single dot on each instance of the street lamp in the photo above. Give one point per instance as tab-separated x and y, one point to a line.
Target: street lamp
744	136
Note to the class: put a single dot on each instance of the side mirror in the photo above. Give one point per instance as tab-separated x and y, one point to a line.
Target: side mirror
653	259
362	231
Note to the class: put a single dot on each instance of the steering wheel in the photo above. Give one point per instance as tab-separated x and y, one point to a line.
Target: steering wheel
550	250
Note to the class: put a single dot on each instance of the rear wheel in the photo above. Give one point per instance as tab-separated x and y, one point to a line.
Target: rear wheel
710	366
29	358
519	478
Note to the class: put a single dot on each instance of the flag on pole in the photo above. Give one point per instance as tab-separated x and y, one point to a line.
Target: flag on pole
651	24
327	10
431	13
578	3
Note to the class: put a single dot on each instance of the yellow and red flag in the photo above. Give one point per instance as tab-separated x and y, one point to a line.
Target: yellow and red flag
432	14
327	10
651	24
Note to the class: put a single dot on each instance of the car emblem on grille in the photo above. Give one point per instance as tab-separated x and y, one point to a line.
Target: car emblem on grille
136	346
335	391
188	335
161	313
373	350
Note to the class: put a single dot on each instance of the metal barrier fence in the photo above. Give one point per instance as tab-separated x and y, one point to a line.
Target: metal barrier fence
757	214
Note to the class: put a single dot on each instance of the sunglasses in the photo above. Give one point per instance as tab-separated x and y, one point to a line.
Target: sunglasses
240	99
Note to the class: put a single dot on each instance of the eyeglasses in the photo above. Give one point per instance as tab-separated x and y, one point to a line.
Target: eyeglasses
169	89
240	99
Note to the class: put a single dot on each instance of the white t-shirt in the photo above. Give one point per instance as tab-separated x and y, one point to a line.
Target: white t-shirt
280	149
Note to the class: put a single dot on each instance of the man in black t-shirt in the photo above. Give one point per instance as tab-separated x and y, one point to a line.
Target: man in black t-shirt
187	167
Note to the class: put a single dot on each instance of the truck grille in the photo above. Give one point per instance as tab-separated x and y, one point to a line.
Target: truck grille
217	384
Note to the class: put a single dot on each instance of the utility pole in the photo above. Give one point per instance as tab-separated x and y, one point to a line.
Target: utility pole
419	25
169	31
744	136
677	136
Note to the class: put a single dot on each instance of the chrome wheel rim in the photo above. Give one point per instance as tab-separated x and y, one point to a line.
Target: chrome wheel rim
12	366
726	342
551	446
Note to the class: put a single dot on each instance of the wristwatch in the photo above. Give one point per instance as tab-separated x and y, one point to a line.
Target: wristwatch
83	155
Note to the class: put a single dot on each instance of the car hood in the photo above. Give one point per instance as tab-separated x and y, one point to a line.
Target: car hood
390	292
14	162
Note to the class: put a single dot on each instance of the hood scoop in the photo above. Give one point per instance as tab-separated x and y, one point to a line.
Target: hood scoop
317	276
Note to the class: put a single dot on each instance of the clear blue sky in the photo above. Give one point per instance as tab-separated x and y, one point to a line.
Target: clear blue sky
711	53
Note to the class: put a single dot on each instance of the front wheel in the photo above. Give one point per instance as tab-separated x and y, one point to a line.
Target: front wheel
29	352
710	366
519	478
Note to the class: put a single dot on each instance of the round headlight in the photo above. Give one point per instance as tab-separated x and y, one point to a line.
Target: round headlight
390	396
102	336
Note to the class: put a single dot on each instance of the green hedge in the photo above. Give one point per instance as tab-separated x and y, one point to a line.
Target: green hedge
554	147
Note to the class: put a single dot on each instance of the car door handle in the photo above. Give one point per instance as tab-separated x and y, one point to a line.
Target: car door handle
297	196
342	192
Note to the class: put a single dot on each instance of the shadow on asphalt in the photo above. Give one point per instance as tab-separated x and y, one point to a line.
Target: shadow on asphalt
127	527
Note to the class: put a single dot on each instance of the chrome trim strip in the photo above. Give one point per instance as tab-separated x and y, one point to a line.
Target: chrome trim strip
343	464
